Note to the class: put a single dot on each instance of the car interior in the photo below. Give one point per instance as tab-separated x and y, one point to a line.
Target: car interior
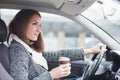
105	66
78	67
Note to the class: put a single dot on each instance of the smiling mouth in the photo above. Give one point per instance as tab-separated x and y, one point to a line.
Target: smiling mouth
36	34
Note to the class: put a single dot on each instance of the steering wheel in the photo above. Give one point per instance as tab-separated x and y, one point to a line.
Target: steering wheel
93	65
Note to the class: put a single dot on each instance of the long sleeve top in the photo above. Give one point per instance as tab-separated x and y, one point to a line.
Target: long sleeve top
22	66
73	54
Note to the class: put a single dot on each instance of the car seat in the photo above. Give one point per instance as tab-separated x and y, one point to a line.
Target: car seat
4	74
4	55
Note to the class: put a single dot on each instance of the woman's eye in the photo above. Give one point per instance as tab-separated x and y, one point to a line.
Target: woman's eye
34	23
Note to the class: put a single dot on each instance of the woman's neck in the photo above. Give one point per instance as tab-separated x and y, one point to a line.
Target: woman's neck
27	41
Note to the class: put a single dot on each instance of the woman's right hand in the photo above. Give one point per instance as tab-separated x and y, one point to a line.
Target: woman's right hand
61	71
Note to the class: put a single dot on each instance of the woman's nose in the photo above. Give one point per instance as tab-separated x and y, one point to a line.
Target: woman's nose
38	28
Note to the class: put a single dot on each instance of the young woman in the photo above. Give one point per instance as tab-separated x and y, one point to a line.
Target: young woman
27	56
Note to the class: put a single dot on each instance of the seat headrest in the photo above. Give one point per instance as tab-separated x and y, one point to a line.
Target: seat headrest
3	31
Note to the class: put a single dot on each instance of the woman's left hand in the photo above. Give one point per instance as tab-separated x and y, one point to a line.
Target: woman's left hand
96	48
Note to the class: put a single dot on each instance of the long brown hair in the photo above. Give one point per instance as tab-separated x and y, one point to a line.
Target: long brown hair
18	27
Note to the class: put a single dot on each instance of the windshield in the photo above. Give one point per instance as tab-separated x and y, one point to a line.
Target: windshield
106	14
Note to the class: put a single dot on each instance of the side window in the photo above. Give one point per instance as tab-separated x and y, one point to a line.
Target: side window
60	32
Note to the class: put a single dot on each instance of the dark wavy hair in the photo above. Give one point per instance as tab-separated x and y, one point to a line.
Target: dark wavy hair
18	27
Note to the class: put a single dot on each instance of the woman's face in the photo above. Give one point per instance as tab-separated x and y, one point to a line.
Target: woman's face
33	28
